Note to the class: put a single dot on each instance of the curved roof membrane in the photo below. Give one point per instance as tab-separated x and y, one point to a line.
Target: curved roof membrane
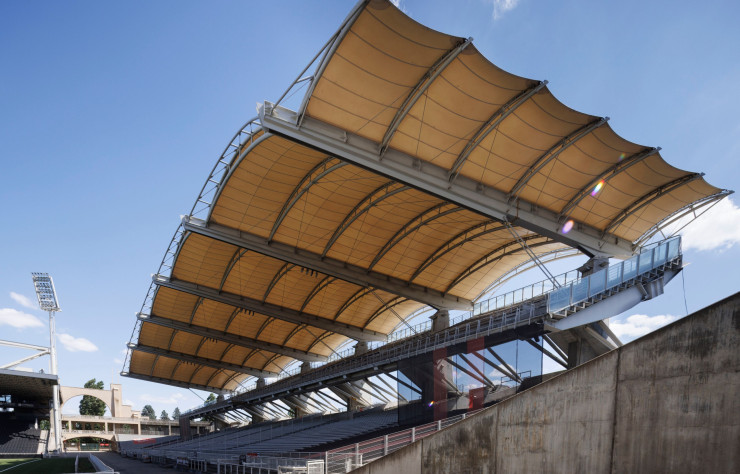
293	249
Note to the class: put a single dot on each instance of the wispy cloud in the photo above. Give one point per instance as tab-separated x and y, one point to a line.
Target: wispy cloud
116	360
716	229
400	5
76	344
502	6
174	398
637	325
18	319
23	300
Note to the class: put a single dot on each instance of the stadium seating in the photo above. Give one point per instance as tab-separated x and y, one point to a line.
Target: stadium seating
19	437
287	436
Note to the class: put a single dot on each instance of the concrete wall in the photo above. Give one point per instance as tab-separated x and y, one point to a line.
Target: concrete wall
668	402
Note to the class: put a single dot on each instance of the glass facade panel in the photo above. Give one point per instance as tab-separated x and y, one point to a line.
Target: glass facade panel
630	269
559	299
580	290
598	283
614	277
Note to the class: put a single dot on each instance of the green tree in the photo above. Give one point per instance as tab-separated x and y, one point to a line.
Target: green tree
92	406
149	412
211	397
164	415
176	414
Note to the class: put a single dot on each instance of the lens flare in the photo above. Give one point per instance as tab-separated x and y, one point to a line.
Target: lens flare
567	227
621	157
597	188
431	403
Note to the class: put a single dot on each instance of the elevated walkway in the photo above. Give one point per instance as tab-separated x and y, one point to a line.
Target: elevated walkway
545	307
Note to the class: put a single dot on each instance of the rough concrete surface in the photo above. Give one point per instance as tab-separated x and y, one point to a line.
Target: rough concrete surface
668	402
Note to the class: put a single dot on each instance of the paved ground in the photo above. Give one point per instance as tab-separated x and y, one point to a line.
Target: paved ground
130	466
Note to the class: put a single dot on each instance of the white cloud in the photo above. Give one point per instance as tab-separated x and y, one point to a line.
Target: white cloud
128	402
19	319
23	300
399	4
172	399
637	325
76	344
502	6
718	228
117	361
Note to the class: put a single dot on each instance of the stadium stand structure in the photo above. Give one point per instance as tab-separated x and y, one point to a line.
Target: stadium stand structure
25	400
17	438
413	177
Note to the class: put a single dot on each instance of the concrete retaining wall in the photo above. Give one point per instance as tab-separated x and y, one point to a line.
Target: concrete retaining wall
668	402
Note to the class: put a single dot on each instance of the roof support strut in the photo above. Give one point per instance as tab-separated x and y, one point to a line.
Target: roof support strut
268	309
175	383
650	197
554	152
216	364
491	125
328	266
434	179
230	338
419	90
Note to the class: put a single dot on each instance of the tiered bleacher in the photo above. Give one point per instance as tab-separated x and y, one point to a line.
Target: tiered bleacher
19	437
134	441
290	436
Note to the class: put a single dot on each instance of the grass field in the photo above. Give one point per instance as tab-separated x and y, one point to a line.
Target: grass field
44	466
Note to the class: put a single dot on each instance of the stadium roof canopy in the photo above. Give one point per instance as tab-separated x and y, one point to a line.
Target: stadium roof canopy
29	386
414	174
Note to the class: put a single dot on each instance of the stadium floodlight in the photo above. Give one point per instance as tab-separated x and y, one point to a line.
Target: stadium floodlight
45	292
48	301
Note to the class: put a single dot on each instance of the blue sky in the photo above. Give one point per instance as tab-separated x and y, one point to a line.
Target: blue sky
113	113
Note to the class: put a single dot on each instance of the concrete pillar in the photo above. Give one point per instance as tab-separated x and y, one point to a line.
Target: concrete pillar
361	347
354	398
440	320
593	265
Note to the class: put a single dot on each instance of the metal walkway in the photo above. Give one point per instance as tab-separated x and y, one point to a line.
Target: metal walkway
579	302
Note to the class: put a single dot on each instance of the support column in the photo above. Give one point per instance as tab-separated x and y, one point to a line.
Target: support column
300	403
593	265
361	347
257	412
440	320
354	398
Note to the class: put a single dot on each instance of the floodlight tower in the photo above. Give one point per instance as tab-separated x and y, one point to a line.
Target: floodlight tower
48	301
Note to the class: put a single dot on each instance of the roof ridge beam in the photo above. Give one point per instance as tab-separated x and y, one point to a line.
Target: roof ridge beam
312	177
197	360
491	125
380	194
651	196
328	266
554	152
175	383
606	176
483	261
231	338
419	90
269	309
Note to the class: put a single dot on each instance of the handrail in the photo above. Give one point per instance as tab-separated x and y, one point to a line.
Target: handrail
574	289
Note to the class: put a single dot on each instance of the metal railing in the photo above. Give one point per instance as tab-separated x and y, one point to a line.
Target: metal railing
339	460
614	276
347	458
566	290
